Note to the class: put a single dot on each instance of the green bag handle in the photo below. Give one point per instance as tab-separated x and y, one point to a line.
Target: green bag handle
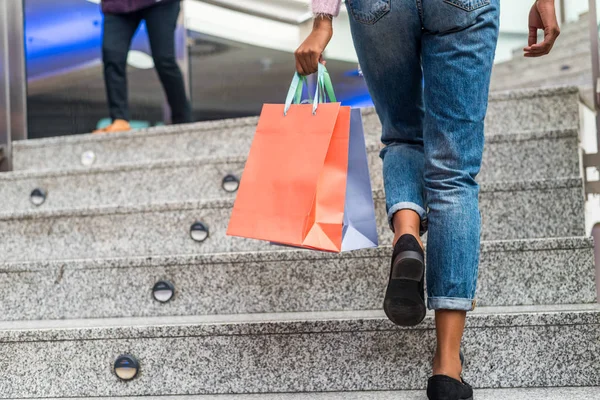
328	86
324	89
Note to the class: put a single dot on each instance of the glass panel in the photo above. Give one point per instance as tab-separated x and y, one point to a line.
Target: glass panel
241	56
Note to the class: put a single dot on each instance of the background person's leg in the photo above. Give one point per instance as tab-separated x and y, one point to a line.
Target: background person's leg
387	38
161	22
458	53
118	32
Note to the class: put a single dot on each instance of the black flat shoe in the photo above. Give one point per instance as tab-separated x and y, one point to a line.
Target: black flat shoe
442	387
405	296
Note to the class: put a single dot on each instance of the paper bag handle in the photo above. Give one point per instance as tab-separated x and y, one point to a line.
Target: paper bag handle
323	91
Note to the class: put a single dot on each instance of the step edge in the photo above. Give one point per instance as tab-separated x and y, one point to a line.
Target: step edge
121	167
209	259
523	136
585	52
114	209
498	393
282	323
504	95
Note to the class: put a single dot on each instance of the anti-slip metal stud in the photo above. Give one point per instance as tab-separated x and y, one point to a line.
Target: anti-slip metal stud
37	197
199	232
88	158
163	291
230	183
126	367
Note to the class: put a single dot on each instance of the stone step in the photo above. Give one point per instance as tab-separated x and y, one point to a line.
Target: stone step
571	393
529	68
294	352
581	79
543	155
515	111
523	272
510	210
582	23
577	76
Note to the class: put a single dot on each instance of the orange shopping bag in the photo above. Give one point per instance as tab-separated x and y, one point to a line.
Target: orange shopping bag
294	184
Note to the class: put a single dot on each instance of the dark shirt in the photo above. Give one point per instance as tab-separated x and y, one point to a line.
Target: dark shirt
127	6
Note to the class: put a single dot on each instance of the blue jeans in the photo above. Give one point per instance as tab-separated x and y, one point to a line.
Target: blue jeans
427	64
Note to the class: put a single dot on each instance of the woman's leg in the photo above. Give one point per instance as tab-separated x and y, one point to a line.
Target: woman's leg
407	222
449	326
161	22
116	39
459	42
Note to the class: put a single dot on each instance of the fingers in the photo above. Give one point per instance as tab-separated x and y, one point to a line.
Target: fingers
314	60
306	70
551	31
550	36
532	39
542	16
322	60
307	60
543	48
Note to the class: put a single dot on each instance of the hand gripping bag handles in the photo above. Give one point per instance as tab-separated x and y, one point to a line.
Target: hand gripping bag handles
306	181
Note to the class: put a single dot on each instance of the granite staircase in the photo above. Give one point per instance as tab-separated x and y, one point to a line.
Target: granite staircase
569	63
90	224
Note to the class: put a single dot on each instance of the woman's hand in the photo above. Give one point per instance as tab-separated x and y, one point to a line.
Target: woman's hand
542	16
310	53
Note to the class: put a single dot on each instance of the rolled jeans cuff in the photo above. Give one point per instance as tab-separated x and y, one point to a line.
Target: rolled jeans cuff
408	206
450	303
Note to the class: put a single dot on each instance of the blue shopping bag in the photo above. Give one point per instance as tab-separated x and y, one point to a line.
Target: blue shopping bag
360	226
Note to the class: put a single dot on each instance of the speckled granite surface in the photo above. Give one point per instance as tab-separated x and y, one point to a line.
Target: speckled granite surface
118	231
582	393
525	71
326	338
162	181
550	271
556	154
509	112
517	211
506	349
532	210
507	157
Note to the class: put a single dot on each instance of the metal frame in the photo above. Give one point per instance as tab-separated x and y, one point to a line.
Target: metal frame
593	160
563	11
13	80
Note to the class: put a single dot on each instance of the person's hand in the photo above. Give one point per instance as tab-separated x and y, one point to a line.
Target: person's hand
310	53
542	16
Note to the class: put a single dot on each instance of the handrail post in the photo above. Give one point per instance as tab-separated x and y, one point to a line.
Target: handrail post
13	85
593	160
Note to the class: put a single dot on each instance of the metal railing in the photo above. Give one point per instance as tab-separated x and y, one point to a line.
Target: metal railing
13	102
593	160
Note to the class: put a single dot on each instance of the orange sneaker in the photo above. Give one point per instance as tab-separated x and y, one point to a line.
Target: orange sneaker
118	125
